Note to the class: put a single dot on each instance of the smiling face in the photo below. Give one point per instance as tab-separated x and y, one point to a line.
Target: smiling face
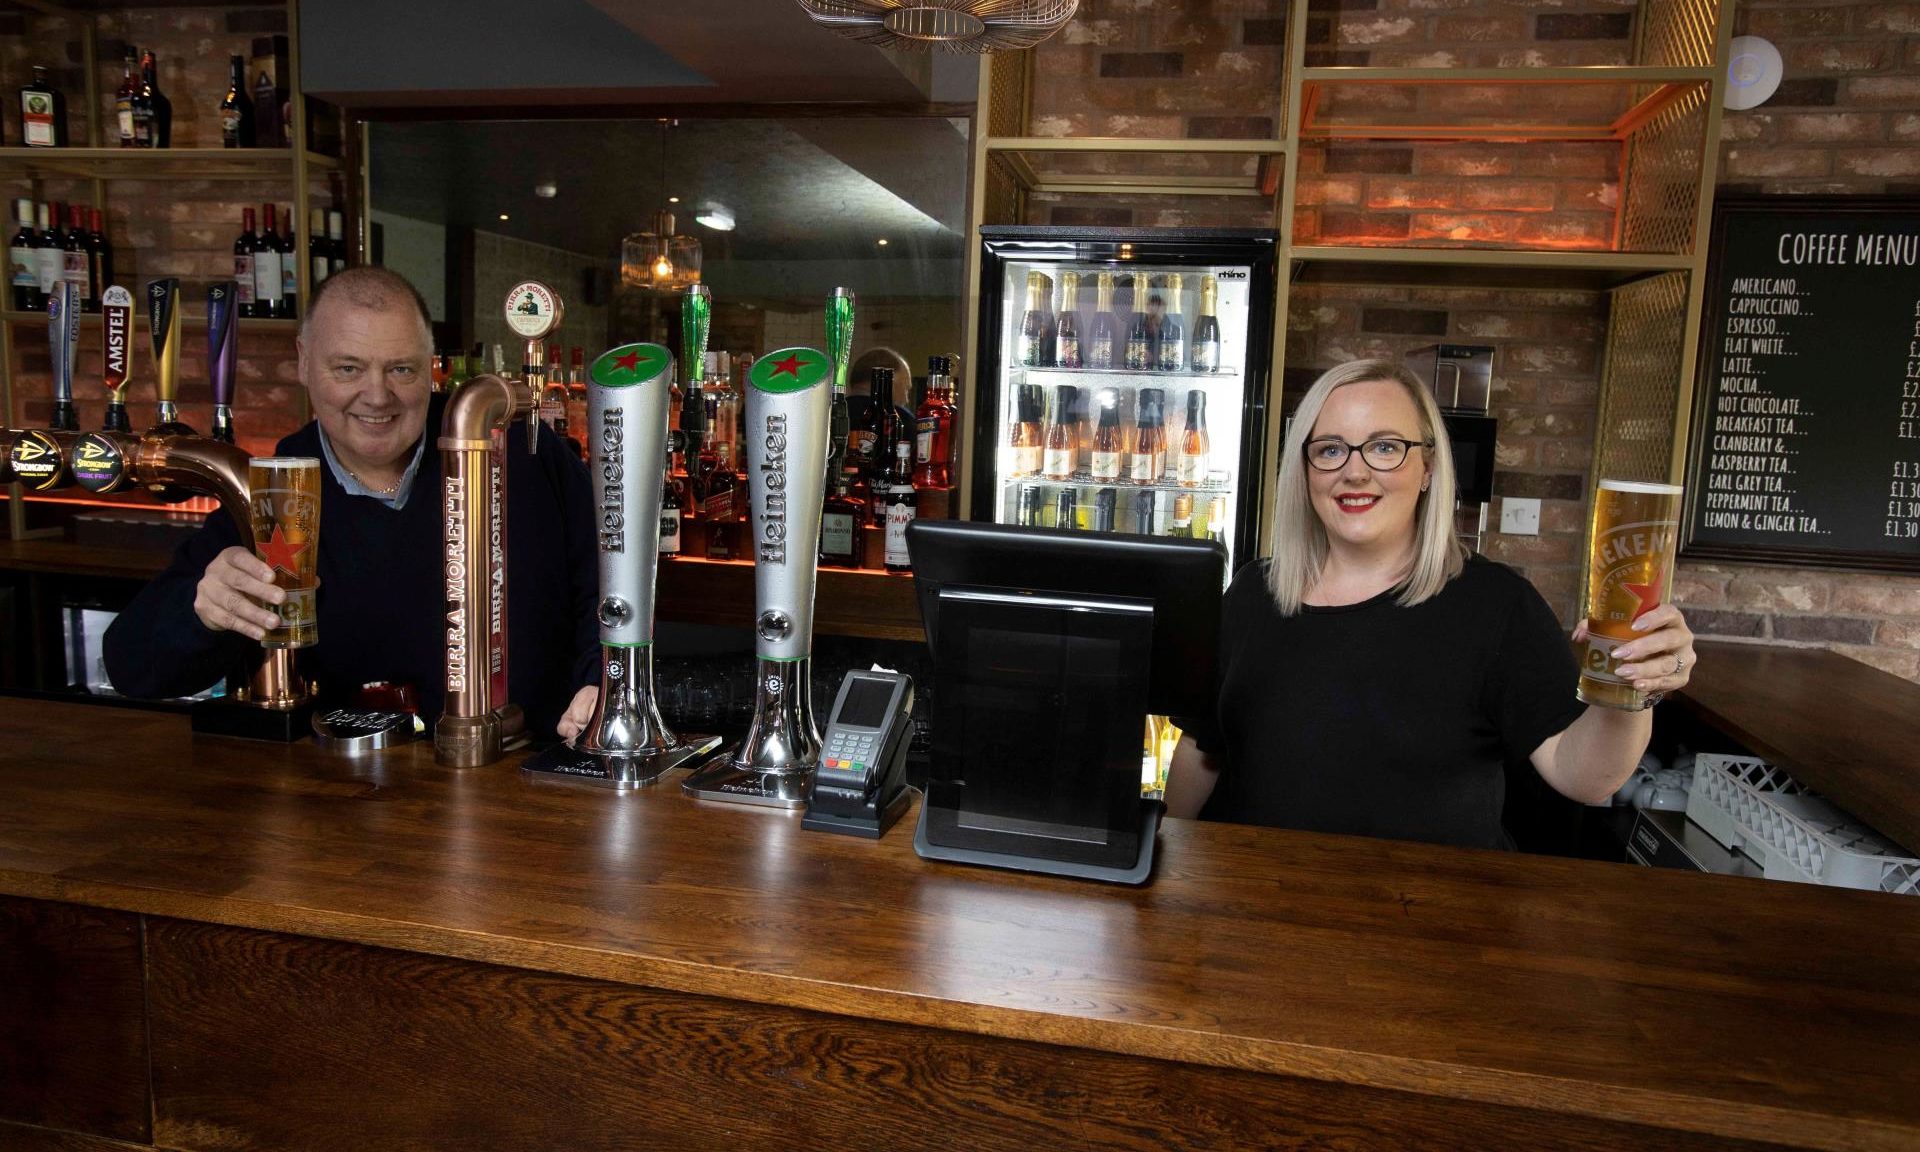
1364	510
366	373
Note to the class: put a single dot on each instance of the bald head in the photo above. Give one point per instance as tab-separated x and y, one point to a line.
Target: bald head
370	287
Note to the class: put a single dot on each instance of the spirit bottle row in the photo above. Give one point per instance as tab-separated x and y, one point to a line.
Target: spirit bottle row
250	114
1149	336
1067	443
51	246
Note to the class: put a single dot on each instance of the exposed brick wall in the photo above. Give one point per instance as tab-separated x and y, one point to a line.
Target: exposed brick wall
160	228
1846	120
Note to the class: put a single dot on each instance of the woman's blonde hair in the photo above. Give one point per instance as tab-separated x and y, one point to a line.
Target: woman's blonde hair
1300	540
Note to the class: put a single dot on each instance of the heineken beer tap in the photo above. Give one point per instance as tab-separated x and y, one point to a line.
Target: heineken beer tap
626	745
116	328
222	344
789	399
163	322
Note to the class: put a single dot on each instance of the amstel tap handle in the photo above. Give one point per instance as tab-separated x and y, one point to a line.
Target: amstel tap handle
840	348
222	346
534	313
789	400
63	339
627	744
163	321
116	328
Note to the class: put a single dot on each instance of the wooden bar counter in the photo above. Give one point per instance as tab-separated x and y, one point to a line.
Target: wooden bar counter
208	944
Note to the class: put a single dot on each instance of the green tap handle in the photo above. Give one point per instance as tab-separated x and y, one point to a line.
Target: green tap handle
840	336
696	320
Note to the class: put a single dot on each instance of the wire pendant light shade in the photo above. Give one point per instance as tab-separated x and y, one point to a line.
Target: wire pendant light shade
973	26
660	260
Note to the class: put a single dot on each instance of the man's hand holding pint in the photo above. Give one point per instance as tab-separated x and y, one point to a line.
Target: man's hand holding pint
230	596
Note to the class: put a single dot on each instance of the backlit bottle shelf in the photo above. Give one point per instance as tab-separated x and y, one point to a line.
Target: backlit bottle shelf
1223	486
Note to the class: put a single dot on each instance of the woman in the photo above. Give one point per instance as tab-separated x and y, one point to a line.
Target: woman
1374	678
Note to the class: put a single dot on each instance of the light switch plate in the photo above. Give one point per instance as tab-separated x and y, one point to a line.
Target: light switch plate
1520	516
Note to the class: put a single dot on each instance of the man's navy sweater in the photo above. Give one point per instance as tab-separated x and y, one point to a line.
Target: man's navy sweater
382	597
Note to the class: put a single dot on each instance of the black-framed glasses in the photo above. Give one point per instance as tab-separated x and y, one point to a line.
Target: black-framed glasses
1382	453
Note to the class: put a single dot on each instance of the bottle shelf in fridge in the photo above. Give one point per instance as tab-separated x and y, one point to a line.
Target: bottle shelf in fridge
1126	375
1217	483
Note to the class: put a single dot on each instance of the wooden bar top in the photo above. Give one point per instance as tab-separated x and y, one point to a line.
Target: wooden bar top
1840	727
1727	1007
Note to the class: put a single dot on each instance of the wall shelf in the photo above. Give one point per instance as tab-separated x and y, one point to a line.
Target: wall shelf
157	163
89	321
1477	267
1592	104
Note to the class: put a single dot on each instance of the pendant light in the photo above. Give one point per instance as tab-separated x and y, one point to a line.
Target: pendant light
658	260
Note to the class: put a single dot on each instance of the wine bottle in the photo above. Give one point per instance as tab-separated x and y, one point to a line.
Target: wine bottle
1171	353
1104	462
289	305
1061	444
125	97
1147	463
336	242
23	261
1066	509
1105	331
1027	507
1181	523
1194	445
43	112
74	265
267	281
1217	519
1139	355
51	253
1206	328
99	258
319	260
157	109
1100	516
236	109
1066	340
243	268
1026	443
1034	325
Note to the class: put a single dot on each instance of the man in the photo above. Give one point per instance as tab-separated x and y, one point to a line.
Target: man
364	352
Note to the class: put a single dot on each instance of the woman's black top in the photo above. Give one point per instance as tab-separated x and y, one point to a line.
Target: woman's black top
1381	720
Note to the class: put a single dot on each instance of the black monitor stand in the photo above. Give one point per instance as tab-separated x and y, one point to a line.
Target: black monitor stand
1038	728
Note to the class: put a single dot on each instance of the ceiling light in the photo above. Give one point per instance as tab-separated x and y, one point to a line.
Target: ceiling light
503	215
956	25
673	199
718	219
659	260
546	190
882	241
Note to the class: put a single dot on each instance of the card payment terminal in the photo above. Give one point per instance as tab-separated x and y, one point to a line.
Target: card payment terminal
860	786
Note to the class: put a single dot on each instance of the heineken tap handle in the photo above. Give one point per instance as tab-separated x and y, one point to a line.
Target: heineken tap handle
534	312
63	338
840	349
163	322
222	341
788	400
627	446
116	329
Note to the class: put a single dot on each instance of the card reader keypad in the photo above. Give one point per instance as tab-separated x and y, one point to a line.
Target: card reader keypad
850	749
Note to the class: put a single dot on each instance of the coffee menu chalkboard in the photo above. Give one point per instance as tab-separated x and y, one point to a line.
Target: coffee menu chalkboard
1806	426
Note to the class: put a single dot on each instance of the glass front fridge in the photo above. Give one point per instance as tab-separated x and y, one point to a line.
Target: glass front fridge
1124	379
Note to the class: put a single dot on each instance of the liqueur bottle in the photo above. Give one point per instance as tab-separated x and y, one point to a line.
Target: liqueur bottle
933	427
1105	331
1206	328
236	112
243	254
23	261
1066	337
840	522
1035	324
1170	354
1061	444
124	99
43	112
720	494
1106	453
901	507
1147	463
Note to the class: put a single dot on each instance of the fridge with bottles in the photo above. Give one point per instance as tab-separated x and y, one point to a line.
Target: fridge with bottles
1124	377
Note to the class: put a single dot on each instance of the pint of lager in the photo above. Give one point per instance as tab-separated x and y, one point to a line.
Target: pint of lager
285	496
1635	527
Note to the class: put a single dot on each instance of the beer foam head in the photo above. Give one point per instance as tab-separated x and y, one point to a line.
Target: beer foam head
285	461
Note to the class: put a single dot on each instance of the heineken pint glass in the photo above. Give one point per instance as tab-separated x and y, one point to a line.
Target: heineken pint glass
1630	573
284	493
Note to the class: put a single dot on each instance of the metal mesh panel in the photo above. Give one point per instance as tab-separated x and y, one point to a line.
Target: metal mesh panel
1003	193
1007	94
1662	181
1641	387
1678	33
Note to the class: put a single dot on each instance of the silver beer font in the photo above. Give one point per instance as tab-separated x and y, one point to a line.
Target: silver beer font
627	744
789	401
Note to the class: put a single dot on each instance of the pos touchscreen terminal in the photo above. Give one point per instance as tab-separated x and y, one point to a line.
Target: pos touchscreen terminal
1050	648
